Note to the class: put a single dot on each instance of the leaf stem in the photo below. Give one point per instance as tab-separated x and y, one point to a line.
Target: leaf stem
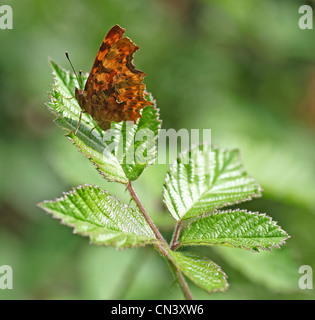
174	243
162	246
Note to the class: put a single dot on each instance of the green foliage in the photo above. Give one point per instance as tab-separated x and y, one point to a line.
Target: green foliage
203	272
236	228
198	183
105	219
219	70
205	179
112	152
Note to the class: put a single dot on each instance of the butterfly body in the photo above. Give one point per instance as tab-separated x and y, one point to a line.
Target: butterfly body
114	90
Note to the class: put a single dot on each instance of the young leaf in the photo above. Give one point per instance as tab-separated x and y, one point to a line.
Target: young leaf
236	228
121	153
105	219
203	272
139	145
204	179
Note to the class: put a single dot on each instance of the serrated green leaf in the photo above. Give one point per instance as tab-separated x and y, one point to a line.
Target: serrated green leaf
139	147
203	272
108	166
205	179
120	154
104	218
236	228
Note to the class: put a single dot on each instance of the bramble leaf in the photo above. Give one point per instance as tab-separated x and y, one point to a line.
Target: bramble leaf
235	228
104	218
119	154
203	272
204	179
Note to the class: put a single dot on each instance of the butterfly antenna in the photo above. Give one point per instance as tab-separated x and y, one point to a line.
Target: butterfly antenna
80	73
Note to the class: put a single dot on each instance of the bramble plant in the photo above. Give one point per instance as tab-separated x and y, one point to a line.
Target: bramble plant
199	182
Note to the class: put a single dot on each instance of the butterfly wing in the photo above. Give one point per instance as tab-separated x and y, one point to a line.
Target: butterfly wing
113	35
115	89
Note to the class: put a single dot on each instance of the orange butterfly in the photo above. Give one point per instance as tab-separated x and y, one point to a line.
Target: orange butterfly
114	90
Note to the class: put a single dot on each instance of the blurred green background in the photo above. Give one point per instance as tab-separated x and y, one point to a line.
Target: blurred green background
242	68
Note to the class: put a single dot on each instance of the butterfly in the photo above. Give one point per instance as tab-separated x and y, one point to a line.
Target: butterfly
114	90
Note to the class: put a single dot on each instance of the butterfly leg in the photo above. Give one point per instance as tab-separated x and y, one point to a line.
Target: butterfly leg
91	132
80	118
69	98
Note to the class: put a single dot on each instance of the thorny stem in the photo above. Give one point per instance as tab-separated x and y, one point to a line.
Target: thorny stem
162	246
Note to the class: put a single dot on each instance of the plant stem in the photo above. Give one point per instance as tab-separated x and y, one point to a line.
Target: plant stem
145	214
174	243
162	246
183	285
